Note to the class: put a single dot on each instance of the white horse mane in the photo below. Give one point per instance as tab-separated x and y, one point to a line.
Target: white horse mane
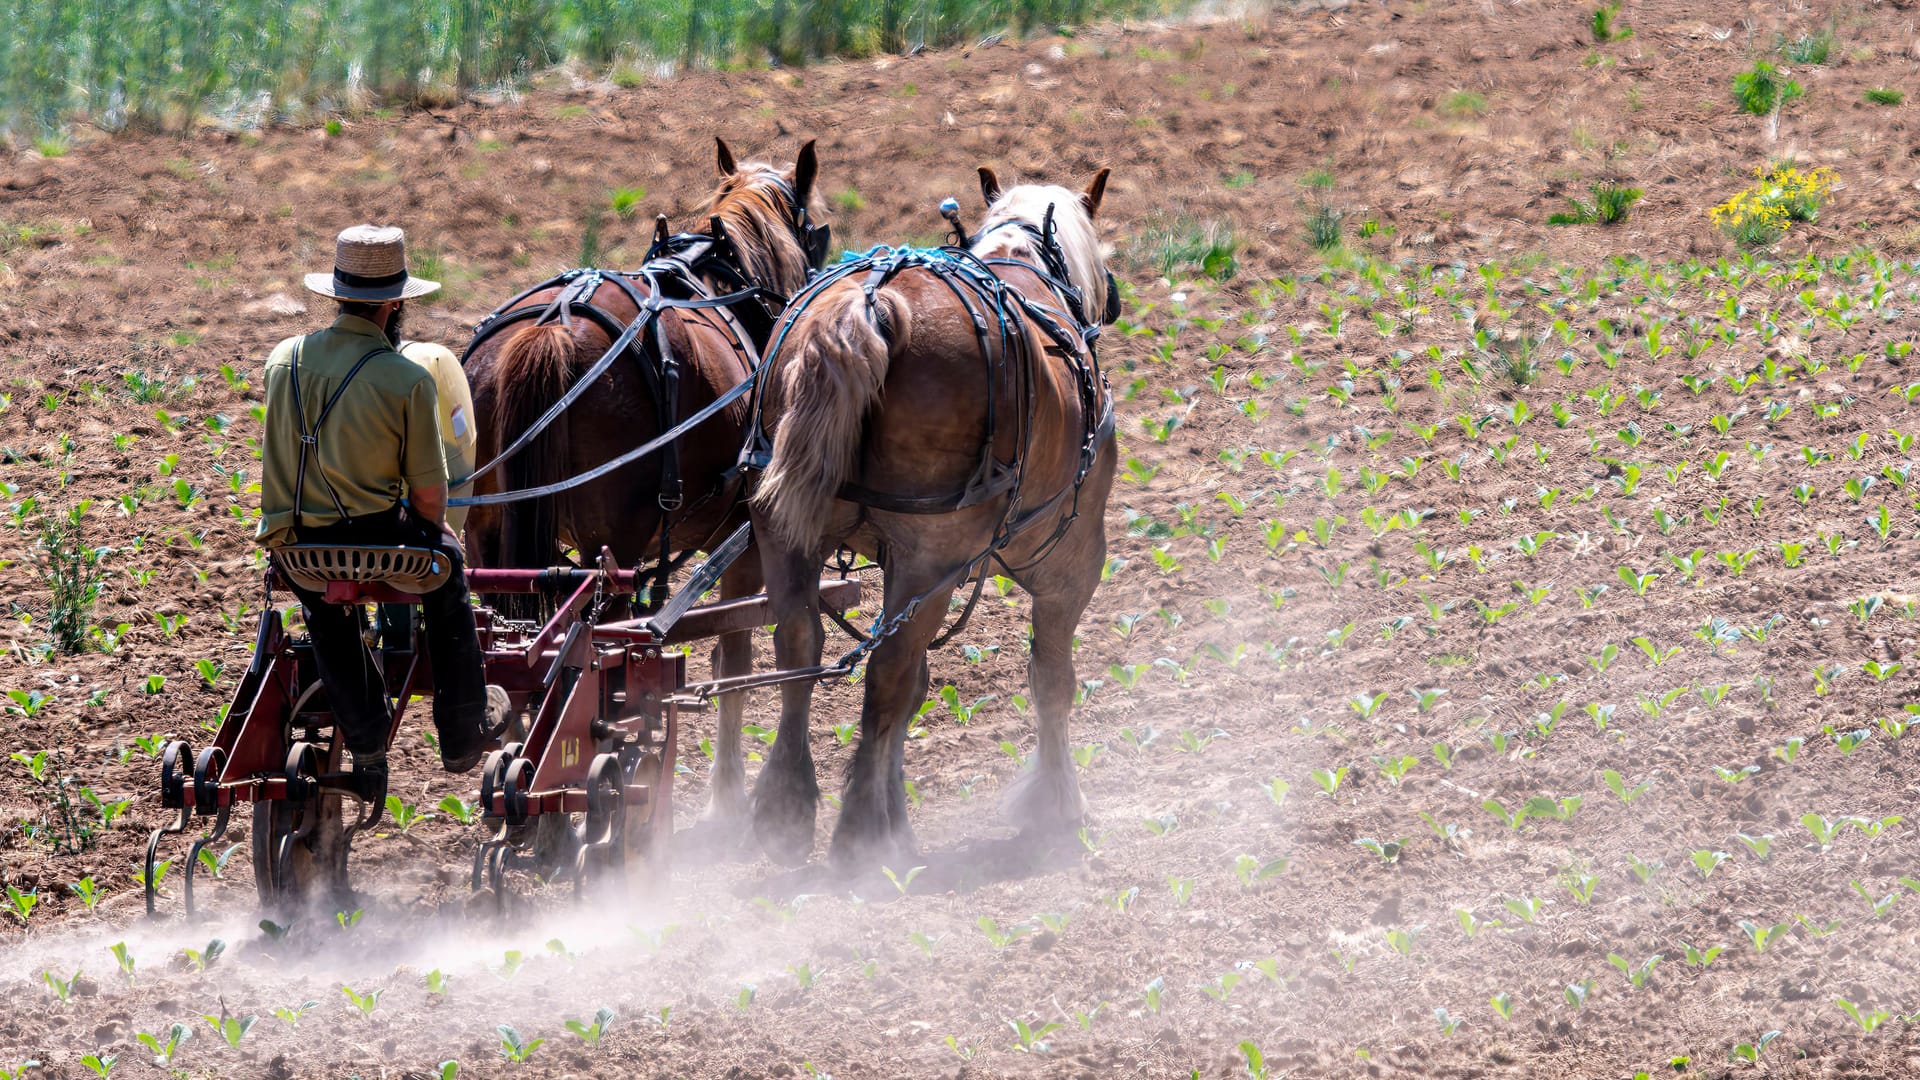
1079	243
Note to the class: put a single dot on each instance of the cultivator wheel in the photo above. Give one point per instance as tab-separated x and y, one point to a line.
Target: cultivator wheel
600	861
300	842
649	828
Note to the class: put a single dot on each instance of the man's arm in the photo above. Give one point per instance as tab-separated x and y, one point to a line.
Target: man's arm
431	503
425	465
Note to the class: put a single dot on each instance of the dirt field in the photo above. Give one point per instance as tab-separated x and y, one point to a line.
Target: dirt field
1502	619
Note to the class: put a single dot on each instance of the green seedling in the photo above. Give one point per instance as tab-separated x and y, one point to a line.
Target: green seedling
1881	906
515	1048
1032	1038
202	959
902	882
1329	780
1403	941
366	1003
1620	788
233	1029
1388	851
1706	862
1762	935
21	904
100	1066
1868	1019
998	937
291	1014
590	1034
1636	975
1222	988
62	988
1702	957
163	1052
1251	871
124	958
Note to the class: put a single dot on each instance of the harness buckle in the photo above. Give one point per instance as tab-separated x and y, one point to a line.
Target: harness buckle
310	440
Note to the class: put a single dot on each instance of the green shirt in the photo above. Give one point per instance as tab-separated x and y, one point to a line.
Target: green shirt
381	440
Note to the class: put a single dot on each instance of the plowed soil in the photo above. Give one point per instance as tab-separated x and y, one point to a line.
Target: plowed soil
1424	547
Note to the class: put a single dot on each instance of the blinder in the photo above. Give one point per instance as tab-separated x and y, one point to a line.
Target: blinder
815	241
1112	314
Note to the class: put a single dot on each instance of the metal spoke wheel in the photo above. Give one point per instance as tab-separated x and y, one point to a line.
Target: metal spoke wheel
648	827
299	846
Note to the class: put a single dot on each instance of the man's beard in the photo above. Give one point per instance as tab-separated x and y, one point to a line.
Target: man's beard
395	321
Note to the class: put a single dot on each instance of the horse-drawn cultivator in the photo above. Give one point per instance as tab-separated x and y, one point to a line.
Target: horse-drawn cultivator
585	785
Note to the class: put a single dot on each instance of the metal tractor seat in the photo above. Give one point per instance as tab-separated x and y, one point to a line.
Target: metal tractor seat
355	573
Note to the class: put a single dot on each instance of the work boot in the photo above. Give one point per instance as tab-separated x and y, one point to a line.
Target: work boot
492	726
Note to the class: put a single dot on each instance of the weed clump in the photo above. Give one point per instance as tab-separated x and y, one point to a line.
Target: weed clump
1885	95
1764	89
72	575
1815	48
1464	103
1181	244
1612	202
1605	28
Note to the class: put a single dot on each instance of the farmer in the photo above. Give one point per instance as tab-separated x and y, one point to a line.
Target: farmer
353	455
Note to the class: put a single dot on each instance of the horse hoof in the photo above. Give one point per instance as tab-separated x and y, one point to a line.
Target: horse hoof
783	823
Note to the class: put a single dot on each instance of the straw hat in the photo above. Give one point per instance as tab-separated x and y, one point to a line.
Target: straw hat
370	265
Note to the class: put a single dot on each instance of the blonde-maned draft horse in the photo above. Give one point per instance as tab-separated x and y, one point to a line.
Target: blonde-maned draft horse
940	412
521	367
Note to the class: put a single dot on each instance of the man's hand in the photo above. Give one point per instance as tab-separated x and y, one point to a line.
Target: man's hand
452	540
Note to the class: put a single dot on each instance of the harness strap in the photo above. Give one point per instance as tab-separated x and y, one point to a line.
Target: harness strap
650	307
310	436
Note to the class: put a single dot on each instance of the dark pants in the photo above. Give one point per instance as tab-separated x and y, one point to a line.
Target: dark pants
354	686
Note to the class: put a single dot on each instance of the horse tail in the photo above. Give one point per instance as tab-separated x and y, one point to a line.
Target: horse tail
534	369
834	367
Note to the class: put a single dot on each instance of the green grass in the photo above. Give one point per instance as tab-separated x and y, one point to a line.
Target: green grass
1182	246
1764	88
625	201
1610	206
1462	104
1815	48
1885	95
171	61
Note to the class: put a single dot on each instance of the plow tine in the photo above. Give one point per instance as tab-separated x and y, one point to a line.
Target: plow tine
193	855
153	849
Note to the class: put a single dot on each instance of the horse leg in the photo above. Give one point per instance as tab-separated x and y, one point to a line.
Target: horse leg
897	788
1047	796
873	828
787	793
732	655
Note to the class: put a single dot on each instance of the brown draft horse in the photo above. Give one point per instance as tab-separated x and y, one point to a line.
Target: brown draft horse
883	388
518	373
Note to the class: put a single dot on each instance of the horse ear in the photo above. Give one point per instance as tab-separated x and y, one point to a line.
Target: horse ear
726	157
805	167
1097	189
989	185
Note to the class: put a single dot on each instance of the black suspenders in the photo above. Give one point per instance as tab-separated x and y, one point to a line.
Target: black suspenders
310	437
